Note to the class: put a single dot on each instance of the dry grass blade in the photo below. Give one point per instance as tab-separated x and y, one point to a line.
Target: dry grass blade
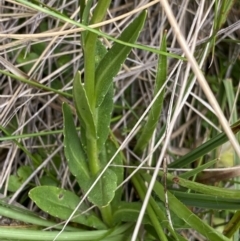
46	49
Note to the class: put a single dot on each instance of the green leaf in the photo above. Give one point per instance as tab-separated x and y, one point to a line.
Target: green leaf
60	203
52	12
129	212
233	225
115	234
104	191
111	149
24	172
104	118
34	83
15	181
48	181
73	148
112	61
204	148
100	52
207	201
21	59
185	213
154	114
85	9
230	94
100	11
206	189
82	105
197	170
26	216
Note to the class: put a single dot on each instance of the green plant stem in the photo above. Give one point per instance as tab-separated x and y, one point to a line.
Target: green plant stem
89	68
92	151
158	228
107	217
89	64
90	52
233	225
16	213
100	11
157	211
94	165
25	234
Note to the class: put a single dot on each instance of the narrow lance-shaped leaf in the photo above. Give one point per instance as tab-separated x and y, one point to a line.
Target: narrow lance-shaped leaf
104	118
204	148
100	52
106	155
129	212
155	111
77	160
185	213
233	225
206	189
103	113
84	15
112	61
82	105
221	12
90	47
207	201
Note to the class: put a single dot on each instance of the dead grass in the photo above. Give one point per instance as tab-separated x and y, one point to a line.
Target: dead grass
49	52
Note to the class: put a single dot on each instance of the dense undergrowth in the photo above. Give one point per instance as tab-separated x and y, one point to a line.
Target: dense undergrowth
119	120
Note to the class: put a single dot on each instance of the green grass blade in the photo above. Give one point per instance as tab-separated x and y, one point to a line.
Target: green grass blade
205	189
207	201
154	113
160	213
184	213
230	99
233	225
204	148
38	235
141	189
52	12
220	16
113	60
197	170
26	216
35	84
129	212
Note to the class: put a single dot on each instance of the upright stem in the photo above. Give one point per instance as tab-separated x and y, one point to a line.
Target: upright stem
90	52
106	213
89	45
92	152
